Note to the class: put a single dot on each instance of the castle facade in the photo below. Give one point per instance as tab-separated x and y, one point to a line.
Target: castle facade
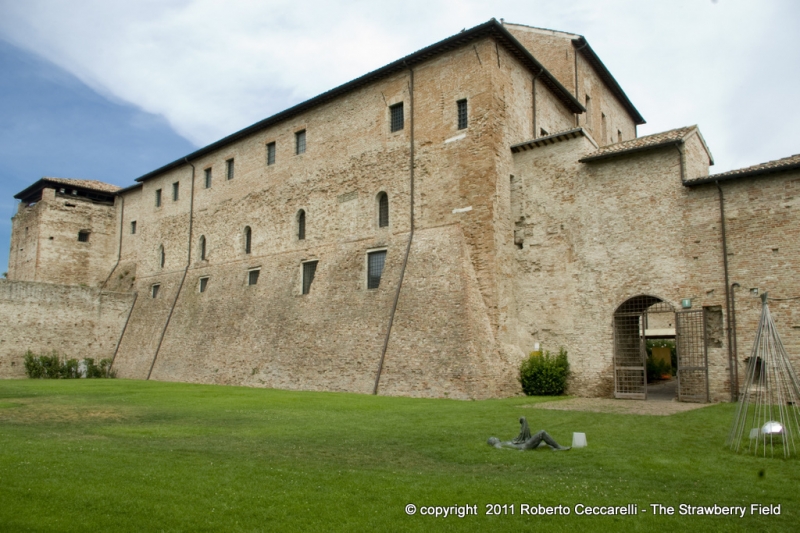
417	231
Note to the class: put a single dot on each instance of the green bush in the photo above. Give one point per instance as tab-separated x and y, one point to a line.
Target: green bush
544	374
53	367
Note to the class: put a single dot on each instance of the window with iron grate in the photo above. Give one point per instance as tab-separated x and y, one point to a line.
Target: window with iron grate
158	197
203	284
252	276
83	236
309	269
175	189
300	142
396	116
271	153
208	178
462	114
375	263
229	168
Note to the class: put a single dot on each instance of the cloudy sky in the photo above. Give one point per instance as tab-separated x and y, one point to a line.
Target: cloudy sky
111	89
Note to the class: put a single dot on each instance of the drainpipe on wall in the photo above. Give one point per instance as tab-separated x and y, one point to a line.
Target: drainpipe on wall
584	45
735	343
733	375
185	271
119	248
410	235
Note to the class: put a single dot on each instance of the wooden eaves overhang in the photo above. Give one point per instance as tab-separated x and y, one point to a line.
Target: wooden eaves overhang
581	45
756	171
552	139
491	29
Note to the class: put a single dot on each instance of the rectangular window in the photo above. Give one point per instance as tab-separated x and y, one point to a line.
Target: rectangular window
175	188
309	269
133	227
619	135
208	178
271	154
462	114
252	276
83	236
375	262
203	284
300	142
396	112
229	169
158	197
155	288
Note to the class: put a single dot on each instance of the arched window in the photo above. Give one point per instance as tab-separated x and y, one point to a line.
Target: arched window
248	238
161	256
202	248
301	225
383	210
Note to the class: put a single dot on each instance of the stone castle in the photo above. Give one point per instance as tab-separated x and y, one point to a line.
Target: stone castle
417	231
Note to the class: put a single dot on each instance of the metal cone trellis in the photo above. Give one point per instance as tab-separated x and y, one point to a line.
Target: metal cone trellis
767	420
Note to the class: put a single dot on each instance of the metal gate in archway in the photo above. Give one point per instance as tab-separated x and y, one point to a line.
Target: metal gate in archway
630	349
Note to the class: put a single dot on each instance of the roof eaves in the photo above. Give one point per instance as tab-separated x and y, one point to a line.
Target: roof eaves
552	139
582	45
61	183
608	155
735	174
491	28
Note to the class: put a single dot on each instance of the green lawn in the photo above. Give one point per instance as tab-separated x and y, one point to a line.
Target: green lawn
119	455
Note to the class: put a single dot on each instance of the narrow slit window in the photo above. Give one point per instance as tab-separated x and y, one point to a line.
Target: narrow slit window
301	225
396	116
248	239
162	257
271	154
229	169
175	191
158	197
154	290
309	269
208	178
252	276
202	248
462	114
203	284
383	210
375	262
300	142
133	227
83	236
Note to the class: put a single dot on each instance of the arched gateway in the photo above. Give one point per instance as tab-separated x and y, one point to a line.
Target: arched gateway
634	321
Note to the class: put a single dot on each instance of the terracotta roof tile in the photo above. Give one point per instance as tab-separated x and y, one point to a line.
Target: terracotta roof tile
786	163
640	143
85	184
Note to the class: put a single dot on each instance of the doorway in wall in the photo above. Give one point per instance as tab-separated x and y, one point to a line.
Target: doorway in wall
645	323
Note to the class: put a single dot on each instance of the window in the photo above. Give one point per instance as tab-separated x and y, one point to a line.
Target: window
208	178
375	262
309	269
83	236
203	284
202	248
175	187
133	227
462	114
229	169
252	276
619	135
158	197
154	290
588	111
301	225
162	257
396	115
248	239
383	210
271	154
300	142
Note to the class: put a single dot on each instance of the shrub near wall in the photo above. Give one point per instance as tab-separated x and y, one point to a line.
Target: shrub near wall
53	367
544	374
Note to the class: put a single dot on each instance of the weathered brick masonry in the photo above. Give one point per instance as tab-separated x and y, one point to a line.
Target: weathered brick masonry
533	222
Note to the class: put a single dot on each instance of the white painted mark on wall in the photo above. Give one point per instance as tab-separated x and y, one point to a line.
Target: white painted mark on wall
462	210
456	138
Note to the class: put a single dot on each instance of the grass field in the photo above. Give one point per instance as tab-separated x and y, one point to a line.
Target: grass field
118	455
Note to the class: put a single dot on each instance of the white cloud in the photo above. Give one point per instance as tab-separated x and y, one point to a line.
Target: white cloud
213	67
